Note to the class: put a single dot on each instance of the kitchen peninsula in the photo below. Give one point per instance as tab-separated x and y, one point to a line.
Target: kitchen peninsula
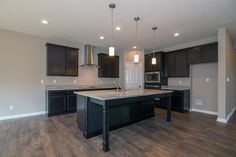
101	111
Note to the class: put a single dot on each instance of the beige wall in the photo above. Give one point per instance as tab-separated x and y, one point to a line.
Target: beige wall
23	66
226	74
204	83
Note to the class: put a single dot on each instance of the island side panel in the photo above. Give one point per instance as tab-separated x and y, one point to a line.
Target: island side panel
82	113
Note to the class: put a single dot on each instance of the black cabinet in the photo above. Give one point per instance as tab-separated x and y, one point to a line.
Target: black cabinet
71	62
177	64
180	64
58	102
148	62
108	66
210	53
149	67
61	60
180	101
170	61
194	55
71	101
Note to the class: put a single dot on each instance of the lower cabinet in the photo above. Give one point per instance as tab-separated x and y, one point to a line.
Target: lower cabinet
60	102
180	101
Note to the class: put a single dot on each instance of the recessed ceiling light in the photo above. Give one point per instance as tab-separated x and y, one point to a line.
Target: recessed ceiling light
134	47
118	28
44	22
176	34
101	37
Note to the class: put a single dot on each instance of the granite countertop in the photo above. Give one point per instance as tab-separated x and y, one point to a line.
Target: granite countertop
114	94
180	88
75	87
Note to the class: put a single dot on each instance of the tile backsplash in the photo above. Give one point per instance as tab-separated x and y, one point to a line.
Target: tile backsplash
179	81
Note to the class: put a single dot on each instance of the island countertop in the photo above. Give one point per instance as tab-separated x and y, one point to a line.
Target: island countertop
114	94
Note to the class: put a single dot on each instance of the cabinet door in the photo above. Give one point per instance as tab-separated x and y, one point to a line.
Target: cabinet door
72	62
114	66
103	63
181	68
56	64
157	66
170	64
210	53
148	62
56	104
194	55
71	103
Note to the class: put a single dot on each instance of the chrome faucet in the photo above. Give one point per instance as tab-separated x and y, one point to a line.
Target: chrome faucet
119	86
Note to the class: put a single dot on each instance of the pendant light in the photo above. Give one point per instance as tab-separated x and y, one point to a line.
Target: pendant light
154	60
111	48
136	56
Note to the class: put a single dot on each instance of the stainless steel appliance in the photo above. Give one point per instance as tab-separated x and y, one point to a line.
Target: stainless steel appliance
152	77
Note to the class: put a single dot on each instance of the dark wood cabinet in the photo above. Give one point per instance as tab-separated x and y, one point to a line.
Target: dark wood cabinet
72	62
180	101
180	64
170	63
56	63
148	62
108	66
149	67
210	53
61	60
58	102
194	55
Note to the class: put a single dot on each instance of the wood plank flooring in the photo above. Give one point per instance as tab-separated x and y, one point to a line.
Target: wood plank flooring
188	135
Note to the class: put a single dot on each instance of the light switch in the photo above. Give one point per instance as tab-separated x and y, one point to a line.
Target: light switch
228	79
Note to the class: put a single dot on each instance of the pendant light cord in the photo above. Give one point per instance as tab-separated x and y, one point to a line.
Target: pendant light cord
154	35
112	27
136	35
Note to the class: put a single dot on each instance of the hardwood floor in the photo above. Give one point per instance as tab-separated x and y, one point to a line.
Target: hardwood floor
188	135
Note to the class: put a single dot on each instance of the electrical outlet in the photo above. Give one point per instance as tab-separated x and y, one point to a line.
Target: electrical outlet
75	81
11	107
54	81
180	82
198	102
42	81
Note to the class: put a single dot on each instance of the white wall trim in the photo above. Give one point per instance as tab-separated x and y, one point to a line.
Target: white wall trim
222	120
22	115
204	111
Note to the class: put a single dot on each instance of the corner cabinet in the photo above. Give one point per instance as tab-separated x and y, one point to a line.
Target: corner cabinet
108	66
61	60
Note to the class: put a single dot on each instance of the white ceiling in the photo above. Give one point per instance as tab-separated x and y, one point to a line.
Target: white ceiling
83	21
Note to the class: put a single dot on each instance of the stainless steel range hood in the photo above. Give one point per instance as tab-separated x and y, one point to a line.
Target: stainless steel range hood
89	56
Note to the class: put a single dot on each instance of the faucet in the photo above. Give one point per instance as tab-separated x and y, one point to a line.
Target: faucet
119	86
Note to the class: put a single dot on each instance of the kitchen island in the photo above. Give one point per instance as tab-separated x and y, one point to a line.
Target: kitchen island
101	111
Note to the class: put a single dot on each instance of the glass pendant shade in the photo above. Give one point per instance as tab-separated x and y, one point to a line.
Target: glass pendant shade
111	51
154	61
136	58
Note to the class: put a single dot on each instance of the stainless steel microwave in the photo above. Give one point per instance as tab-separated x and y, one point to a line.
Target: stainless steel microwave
152	77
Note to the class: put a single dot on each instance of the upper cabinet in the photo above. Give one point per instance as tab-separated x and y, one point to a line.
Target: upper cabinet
194	55
149	67
61	60
177	64
210	53
108	66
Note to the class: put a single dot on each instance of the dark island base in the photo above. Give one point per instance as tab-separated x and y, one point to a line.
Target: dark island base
90	115
89	135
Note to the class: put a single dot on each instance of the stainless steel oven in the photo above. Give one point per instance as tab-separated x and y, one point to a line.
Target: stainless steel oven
152	77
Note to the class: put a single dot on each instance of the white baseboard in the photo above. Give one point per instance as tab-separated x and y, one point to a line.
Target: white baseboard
22	115
222	120
204	111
